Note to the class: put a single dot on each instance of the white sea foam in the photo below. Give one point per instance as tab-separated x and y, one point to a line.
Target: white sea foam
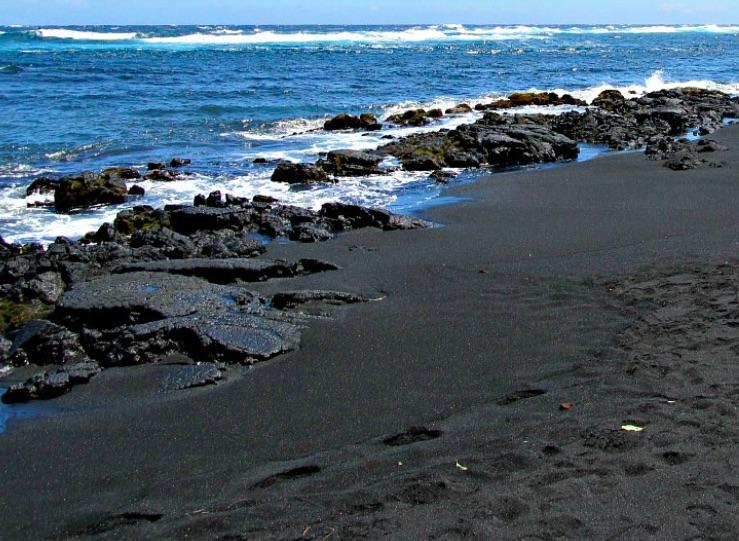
411	35
654	82
64	33
448	32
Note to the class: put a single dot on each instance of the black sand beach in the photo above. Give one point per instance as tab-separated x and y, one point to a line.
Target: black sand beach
481	395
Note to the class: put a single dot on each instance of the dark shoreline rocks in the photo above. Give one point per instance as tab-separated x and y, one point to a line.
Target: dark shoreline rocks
51	384
524	99
299	173
163	282
107	187
344	121
352	163
171	281
494	140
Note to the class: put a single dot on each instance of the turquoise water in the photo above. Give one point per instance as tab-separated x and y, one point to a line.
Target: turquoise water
75	99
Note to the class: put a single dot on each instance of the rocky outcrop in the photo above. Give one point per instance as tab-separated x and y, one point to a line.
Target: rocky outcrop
413	117
681	154
190	376
621	123
108	187
51	384
89	189
139	317
493	141
227	271
299	173
357	217
352	163
523	99
163	283
42	342
610	100
366	122
85	189
460	109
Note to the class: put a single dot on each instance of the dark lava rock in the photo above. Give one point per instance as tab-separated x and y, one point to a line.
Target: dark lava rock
156	166
42	186
683	160
142	217
621	123
141	317
423	163
299	173
46	286
42	342
352	163
709	145
681	154
662	147
235	337
310	232
192	376
414	117
268	199
523	99
350	122
293	299
136	297
461	109
180	162
214	199
226	271
105	233
356	217
493	140
161	244
51	384
610	100
435	114
188	220
136	191
126	173
162	175
89	189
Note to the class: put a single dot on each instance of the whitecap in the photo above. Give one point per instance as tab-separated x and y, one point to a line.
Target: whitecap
65	33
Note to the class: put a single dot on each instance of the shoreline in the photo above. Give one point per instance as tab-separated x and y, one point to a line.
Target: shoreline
242	177
550	282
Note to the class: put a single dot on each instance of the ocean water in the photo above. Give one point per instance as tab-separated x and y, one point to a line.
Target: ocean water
83	98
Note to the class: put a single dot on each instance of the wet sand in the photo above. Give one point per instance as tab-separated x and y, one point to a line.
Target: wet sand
435	411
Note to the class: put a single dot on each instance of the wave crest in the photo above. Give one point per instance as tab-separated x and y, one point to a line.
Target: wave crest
433	33
84	35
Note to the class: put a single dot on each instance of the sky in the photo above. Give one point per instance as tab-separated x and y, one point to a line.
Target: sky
263	12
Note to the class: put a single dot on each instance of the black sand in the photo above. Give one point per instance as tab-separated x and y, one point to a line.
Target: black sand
611	284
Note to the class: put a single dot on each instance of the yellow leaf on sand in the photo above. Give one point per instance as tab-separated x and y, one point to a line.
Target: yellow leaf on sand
632	428
463	468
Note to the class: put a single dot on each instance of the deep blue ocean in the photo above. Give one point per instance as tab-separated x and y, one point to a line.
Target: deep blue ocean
82	98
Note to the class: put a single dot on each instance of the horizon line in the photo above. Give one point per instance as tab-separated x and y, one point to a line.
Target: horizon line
20	25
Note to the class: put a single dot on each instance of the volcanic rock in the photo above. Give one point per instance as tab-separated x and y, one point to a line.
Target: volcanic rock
52	384
351	163
350	122
89	189
299	173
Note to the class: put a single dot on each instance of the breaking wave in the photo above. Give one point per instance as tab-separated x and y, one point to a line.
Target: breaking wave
433	33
